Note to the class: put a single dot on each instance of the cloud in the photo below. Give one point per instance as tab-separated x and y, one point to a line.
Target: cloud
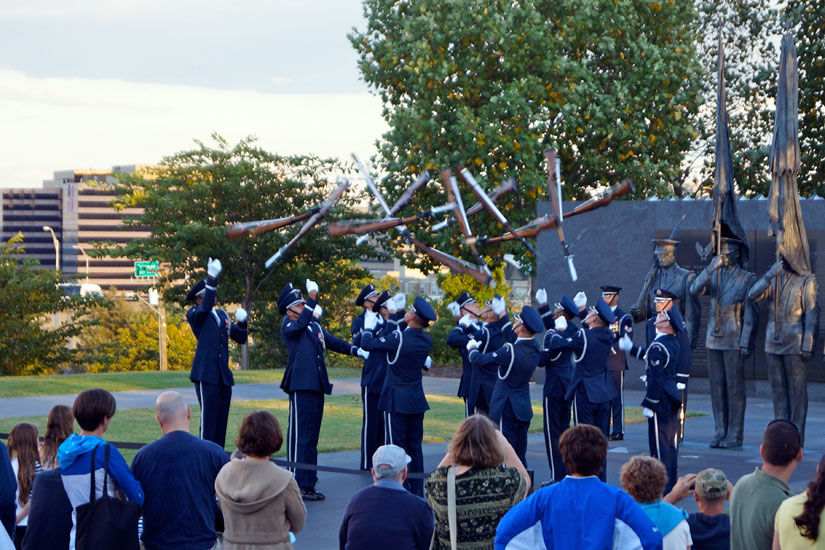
63	123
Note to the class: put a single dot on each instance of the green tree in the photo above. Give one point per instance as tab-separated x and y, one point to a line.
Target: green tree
614	85
192	196
31	296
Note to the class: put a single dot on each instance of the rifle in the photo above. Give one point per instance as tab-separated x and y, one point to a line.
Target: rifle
548	222
238	230
554	191
363	227
322	212
454	196
498	192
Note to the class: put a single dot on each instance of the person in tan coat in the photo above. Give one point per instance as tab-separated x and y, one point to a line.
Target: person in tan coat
261	502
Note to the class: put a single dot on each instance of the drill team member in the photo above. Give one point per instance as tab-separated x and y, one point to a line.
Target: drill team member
468	315
617	362
490	337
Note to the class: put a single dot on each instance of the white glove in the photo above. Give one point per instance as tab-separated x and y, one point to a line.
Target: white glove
363	353
498	304
213	268
541	297
399	301
241	315
318	311
472	344
643	378
454	309
428	362
647	413
680	386
465	320
580	300
625	343
312	286
370	320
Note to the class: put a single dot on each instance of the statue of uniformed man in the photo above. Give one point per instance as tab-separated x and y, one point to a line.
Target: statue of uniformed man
729	339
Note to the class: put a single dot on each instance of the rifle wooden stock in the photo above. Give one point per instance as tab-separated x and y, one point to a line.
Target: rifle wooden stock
238	230
455	265
548	222
339	229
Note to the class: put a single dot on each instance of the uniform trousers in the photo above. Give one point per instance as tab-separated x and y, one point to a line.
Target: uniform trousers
617	403
789	389
556	420
726	374
514	431
481	405
372	427
214	400
595	414
306	410
663	438
407	431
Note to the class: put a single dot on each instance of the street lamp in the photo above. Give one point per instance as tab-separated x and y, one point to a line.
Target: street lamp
86	257
159	311
56	264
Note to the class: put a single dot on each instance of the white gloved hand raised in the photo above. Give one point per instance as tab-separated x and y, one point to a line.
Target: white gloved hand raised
625	343
454	309
400	301
560	323
318	311
643	378
214	268
465	320
580	300
241	315
363	353
498	304
541	297
680	386
370	320
428	362
647	413
312	286
472	344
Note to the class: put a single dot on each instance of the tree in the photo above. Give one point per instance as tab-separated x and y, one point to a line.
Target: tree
31	296
192	196
614	85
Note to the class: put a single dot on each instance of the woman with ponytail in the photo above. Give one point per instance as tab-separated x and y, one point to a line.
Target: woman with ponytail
25	463
59	426
800	520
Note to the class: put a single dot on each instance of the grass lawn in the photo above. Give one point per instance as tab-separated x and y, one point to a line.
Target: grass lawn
340	430
24	386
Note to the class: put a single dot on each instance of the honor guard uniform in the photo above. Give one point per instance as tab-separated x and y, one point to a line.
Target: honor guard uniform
617	362
558	371
407	349
305	379
210	366
590	387
511	406
665	301
488	333
457	339
372	379
662	400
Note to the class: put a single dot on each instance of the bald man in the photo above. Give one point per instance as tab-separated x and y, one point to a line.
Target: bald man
177	473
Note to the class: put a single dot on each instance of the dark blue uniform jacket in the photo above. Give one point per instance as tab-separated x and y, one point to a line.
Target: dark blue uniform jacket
375	366
661	358
558	364
516	363
591	347
683	363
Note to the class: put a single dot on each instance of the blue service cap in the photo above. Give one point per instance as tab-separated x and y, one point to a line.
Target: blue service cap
531	320
365	293
569	306
380	301
464	298
611	288
661	293
423	310
199	286
604	312
289	295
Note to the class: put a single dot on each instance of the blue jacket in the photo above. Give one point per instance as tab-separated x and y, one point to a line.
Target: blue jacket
306	341
484	378
8	488
577	514
685	353
406	350
50	516
516	363
624	325
457	339
211	362
661	358
375	366
591	348
558	364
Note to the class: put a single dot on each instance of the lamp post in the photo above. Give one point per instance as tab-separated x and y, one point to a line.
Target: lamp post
160	311
85	257
56	264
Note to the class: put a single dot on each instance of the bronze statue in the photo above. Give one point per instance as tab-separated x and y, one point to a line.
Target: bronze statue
729	339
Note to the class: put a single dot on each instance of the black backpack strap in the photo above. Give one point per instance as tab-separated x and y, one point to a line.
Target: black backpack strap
92	477
106	472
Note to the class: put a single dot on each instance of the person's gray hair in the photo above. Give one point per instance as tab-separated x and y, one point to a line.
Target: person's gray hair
169	405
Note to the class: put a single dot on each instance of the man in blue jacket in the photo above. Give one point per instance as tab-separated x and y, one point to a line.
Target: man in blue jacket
617	361
210	366
407	349
306	379
8	488
468	313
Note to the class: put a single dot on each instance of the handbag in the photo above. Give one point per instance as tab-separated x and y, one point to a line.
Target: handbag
106	523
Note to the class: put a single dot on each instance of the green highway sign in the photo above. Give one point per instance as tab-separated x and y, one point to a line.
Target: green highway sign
146	269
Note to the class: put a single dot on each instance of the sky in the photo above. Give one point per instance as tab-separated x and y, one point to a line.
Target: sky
98	83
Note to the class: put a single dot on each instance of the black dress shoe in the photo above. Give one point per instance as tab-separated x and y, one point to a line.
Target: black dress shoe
311	495
616	437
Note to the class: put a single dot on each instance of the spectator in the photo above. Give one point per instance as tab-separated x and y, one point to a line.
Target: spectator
59	426
50	516
93	410
644	478
405	519
710	527
24	461
580	512
757	496
261	502
799	520
177	473
8	487
490	479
